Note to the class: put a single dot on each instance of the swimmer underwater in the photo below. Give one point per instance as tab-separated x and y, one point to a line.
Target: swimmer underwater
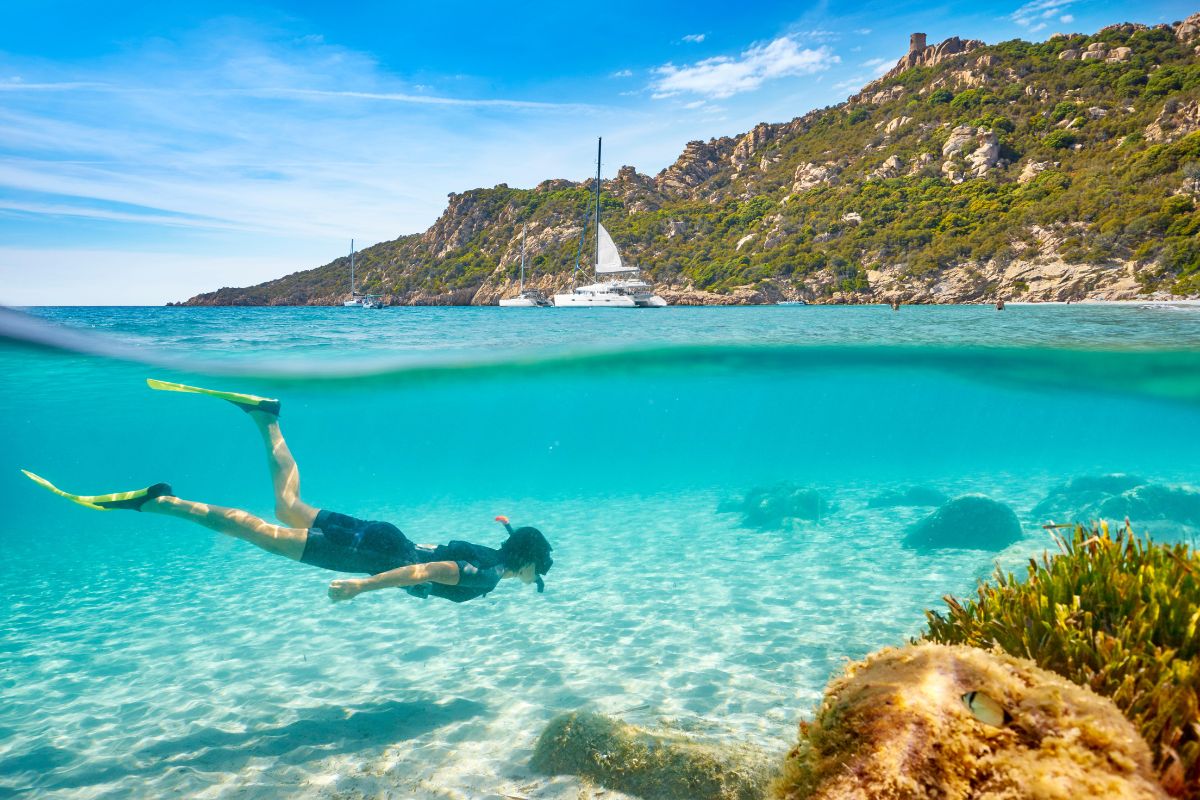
458	571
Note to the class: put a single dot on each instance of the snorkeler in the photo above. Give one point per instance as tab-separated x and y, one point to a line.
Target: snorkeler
458	571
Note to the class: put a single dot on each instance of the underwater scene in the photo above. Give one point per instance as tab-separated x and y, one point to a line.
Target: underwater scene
739	500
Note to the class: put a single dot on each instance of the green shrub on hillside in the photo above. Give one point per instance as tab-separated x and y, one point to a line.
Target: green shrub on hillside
1118	614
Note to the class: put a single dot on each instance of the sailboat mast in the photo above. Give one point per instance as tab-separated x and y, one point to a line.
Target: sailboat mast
599	142
351	269
524	236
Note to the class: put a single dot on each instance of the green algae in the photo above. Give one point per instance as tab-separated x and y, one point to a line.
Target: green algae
895	726
1115	613
654	766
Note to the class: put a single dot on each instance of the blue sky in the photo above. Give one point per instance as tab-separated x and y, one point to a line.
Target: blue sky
149	152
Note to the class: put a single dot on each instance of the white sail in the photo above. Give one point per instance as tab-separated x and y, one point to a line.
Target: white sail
610	259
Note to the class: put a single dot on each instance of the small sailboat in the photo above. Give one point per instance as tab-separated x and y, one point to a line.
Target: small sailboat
526	298
355	298
631	292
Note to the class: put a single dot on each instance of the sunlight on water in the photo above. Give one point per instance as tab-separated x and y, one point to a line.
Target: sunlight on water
142	656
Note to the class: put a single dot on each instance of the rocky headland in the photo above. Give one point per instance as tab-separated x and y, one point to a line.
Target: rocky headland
1062	170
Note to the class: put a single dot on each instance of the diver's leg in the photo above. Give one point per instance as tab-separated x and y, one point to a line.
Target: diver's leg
234	522
285	475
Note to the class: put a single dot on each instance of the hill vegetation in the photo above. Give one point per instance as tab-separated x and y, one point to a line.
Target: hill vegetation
1064	169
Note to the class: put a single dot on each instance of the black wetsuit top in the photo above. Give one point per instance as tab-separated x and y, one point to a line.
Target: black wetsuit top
343	543
479	570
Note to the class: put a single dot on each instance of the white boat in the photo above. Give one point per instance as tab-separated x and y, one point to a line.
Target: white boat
355	298
526	298
373	301
609	291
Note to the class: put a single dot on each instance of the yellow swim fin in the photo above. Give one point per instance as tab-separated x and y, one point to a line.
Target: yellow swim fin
106	502
246	402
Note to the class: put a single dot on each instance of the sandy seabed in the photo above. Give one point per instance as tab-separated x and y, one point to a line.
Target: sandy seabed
246	682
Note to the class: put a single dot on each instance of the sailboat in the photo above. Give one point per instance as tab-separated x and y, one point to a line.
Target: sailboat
609	291
527	298
355	298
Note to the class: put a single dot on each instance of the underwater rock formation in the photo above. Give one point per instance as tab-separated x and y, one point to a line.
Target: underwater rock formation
1087	491
652	766
1154	502
1111	610
1117	496
912	496
970	522
775	507
958	722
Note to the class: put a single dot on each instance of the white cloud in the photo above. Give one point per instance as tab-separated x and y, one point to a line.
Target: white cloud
623	73
850	84
724	76
878	66
695	38
1036	15
1067	18
416	99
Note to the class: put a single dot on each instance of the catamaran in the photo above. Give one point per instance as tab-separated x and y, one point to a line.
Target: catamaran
609	292
355	298
527	298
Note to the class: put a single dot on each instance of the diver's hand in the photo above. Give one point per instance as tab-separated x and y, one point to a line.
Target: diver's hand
346	589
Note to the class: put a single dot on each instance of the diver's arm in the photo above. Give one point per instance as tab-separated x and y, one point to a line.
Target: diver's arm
436	571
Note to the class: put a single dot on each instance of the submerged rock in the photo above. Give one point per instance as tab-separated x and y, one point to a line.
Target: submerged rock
1153	502
1117	496
652	766
1067	499
775	507
912	496
958	722
970	522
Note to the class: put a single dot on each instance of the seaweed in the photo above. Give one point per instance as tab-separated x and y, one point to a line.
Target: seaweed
1116	613
904	724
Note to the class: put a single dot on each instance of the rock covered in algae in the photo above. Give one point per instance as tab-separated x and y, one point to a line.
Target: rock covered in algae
912	496
898	726
777	506
971	522
1117	496
1084	493
628	759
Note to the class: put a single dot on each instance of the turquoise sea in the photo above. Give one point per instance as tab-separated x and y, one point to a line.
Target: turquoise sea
141	656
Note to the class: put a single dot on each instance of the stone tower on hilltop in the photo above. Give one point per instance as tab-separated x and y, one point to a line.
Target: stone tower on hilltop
916	43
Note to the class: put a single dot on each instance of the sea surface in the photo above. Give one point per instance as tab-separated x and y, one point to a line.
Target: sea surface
141	656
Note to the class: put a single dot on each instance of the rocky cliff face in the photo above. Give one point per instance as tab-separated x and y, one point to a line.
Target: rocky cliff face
1068	169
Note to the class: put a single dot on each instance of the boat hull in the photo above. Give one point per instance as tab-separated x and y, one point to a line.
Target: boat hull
598	300
613	294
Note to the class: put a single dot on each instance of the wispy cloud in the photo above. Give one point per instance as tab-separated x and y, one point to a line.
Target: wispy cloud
622	73
1037	15
17	85
417	99
878	66
725	76
694	38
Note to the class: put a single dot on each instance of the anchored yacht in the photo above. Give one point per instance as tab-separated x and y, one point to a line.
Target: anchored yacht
609	291
526	298
356	299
